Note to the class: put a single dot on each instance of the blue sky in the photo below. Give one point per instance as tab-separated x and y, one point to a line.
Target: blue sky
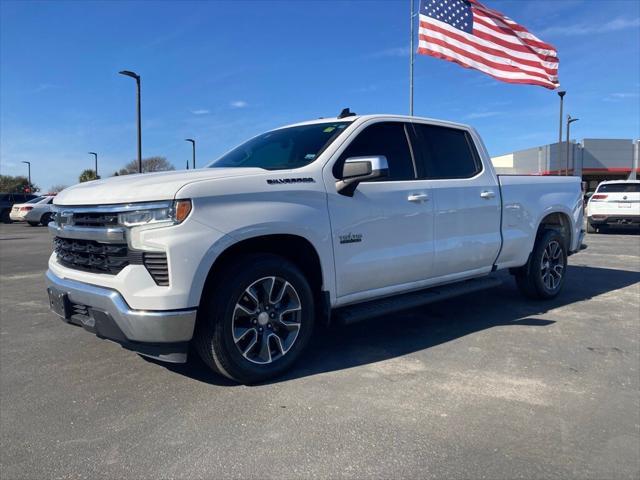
223	71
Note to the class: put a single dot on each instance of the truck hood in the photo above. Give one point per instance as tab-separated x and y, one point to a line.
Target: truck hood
145	187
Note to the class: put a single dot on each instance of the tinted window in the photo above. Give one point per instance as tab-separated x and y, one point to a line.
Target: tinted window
619	188
36	200
443	152
286	148
388	139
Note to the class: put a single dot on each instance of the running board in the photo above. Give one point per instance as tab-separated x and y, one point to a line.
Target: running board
375	308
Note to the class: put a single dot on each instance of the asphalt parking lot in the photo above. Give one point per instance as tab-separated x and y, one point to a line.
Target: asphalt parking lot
488	385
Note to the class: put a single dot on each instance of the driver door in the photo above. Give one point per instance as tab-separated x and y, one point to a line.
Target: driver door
383	235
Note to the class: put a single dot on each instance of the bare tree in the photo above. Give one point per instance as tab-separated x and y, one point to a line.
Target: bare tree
57	188
151	164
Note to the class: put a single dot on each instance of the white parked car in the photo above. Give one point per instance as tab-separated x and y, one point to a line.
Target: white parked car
614	203
329	220
41	213
39	204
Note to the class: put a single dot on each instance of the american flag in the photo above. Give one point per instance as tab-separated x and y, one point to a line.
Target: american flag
474	36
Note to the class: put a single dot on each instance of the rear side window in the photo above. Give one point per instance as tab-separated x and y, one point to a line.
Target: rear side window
385	138
619	188
444	152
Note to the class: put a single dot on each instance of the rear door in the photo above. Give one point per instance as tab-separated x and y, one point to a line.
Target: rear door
466	200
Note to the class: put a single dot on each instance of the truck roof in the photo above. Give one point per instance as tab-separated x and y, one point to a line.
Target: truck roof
352	118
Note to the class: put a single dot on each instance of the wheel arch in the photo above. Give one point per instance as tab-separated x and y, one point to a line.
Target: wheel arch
551	220
295	248
557	220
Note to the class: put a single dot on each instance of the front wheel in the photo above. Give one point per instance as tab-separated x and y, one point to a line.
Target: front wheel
33	224
46	218
256	319
543	276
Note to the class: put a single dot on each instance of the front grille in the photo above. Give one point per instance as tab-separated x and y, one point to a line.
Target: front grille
92	256
109	258
95	219
156	264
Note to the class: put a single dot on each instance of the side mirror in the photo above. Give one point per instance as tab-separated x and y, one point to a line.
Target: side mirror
361	169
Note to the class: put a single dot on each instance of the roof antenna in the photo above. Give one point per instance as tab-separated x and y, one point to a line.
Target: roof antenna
346	113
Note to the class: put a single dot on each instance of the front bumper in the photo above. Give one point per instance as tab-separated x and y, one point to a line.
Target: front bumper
164	335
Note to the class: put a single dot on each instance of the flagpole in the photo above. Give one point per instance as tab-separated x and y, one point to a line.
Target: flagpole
411	60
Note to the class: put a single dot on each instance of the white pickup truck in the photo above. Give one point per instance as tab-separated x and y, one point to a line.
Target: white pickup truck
336	219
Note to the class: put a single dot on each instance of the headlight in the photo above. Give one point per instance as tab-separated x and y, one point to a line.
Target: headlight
170	213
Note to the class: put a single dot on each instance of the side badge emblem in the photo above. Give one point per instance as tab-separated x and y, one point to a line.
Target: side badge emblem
351	238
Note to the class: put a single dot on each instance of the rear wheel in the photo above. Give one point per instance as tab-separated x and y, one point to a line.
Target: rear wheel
591	228
543	276
255	321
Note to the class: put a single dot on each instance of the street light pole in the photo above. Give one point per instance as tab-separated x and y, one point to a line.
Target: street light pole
569	122
193	150
95	155
137	79
561	94
28	165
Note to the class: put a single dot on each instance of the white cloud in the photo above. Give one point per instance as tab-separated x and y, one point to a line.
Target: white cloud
43	87
613	97
391	52
476	115
201	111
239	104
614	25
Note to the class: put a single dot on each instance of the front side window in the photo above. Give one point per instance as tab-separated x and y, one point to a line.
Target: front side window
283	149
444	152
388	139
619	188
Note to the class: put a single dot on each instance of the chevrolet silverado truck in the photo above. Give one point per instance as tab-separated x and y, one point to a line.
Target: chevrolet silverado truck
331	220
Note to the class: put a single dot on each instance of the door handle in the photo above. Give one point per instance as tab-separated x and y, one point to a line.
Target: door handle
418	197
488	194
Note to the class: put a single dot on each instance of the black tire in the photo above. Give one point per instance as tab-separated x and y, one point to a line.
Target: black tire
214	335
4	216
591	228
34	224
46	218
531	279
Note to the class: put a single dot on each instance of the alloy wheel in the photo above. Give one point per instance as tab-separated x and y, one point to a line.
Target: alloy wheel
552	265
267	320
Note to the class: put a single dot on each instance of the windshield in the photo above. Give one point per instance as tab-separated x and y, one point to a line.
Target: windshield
619	188
283	149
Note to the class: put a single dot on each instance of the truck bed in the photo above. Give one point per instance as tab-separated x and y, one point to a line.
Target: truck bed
526	200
